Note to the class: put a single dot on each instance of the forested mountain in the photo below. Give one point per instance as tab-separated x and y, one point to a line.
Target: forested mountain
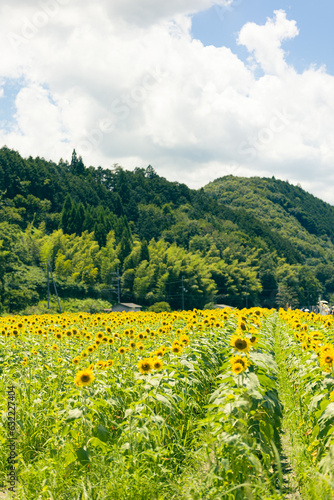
238	241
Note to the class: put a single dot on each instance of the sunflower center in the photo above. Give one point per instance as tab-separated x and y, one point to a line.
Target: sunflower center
241	344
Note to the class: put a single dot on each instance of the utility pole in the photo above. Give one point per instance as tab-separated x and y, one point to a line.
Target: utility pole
54	285
48	273
48	282
117	287
246	295
183	290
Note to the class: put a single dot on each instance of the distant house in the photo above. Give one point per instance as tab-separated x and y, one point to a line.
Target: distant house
223	306
126	307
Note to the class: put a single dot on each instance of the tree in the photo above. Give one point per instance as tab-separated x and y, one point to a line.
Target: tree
77	167
286	297
67	220
144	252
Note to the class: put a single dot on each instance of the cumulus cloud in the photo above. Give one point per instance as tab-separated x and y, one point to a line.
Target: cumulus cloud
265	41
148	12
125	82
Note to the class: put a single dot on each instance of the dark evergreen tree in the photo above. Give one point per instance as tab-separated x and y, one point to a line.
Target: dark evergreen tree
79	219
125	245
144	252
67	215
77	167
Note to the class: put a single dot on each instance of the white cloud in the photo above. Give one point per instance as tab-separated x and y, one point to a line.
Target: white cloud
265	41
148	12
125	82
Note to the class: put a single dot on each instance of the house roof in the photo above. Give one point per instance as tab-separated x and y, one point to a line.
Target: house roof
128	304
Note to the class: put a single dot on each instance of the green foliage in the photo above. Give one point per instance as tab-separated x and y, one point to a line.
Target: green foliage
239	241
160	307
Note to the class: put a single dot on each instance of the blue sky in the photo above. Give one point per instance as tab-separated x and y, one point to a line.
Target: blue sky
219	26
11	87
166	83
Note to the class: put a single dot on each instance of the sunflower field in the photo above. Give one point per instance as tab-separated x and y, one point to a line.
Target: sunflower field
202	404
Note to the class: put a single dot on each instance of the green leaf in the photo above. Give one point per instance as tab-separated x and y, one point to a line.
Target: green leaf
74	414
82	456
326	418
69	458
97	443
164	400
102	433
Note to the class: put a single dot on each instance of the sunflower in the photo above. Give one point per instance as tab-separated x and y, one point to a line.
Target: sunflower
242	360
91	348
253	340
54	347
237	368
140	346
110	340
68	333
99	335
110	362
100	365
176	349
240	343
157	363
326	348
184	339
84	377
76	360
327	359
145	366
159	353
243	324
59	335
121	350
132	344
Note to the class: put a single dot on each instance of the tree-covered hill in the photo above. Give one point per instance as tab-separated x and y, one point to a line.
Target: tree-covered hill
275	201
305	220
238	241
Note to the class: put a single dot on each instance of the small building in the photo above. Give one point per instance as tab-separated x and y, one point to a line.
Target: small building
126	307
223	306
